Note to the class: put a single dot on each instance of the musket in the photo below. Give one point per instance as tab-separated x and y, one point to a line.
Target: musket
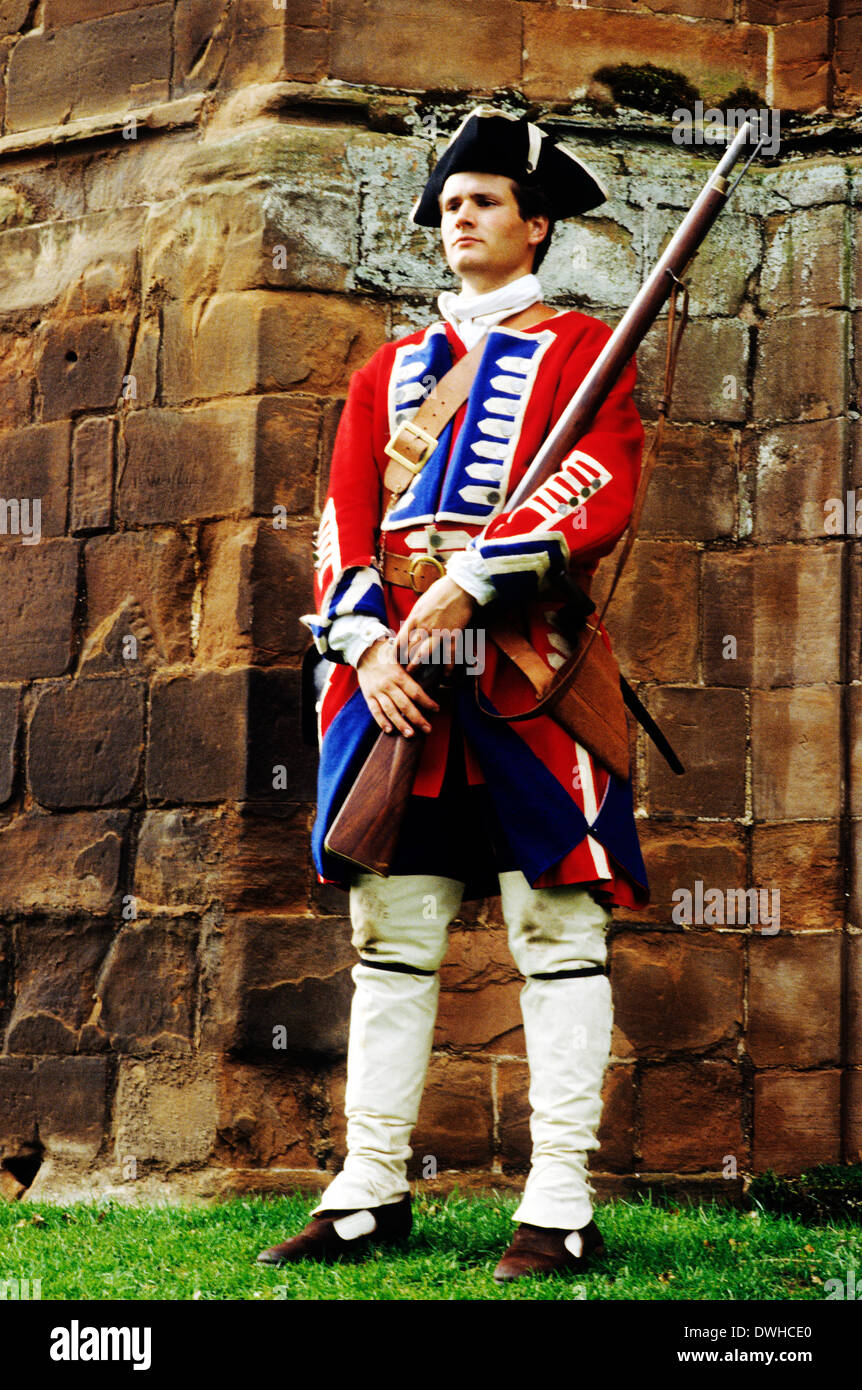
365	831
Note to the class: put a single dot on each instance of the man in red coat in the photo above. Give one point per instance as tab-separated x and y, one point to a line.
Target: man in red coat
521	809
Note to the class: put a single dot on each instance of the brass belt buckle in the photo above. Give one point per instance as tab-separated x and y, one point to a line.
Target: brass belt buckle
415	561
418	433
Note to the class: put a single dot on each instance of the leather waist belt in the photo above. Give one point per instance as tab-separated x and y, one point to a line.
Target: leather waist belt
416	572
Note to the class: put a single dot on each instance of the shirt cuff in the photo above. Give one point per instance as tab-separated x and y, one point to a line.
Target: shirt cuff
469	572
351	635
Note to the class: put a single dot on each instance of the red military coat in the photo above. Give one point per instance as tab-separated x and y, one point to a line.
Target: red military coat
566	819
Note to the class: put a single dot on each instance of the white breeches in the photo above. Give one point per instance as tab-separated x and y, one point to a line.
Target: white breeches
400	929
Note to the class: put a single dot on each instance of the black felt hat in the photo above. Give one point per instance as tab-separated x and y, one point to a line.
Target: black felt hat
490	142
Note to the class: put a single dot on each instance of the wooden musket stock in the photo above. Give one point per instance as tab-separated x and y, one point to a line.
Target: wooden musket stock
366	828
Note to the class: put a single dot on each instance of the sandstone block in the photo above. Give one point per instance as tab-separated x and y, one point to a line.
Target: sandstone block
456	1118
6	980
242	456
258	582
796	1120
805	264
467	46
92	474
36	620
182	465
206	236
854	1109
270	54
34	472
229	735
17	354
84	743
56	968
800	73
85	263
201	36
280	987
855	738
72	1105
140	385
692	1116
854	604
310	237
692	494
779	11
817	345
565	47
281	769
199	857
106	64
675	991
149	578
648	646
695	9
711	374
198	737
81	363
513	1084
617	1128
64	862
797	468
802	861
18	1113
396	256
729	257
267	1116
165	1111
794	1000
794	739
595	258
772	616
60	12
854	1023
848	69
146	987
265	340
480	989
677	856
708	730
855	870
804	183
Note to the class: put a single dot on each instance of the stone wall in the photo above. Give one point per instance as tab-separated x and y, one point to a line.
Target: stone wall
202	234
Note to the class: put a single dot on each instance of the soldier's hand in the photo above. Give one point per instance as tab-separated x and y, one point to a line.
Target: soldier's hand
393	697
444	608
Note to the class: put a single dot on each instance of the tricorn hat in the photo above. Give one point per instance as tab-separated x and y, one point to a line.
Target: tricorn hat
492	142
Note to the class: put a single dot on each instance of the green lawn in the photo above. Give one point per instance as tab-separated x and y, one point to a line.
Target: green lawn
654	1251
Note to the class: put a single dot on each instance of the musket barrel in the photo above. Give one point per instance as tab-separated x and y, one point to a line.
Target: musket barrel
633	326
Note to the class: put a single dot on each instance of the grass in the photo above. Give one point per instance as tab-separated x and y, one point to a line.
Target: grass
654	1251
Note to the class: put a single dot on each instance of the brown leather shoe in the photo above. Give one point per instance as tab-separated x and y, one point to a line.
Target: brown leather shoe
543	1250
344	1235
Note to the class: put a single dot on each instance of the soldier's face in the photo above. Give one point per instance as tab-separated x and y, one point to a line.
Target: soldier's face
486	241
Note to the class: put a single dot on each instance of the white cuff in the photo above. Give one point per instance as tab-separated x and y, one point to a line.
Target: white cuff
469	571
352	634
